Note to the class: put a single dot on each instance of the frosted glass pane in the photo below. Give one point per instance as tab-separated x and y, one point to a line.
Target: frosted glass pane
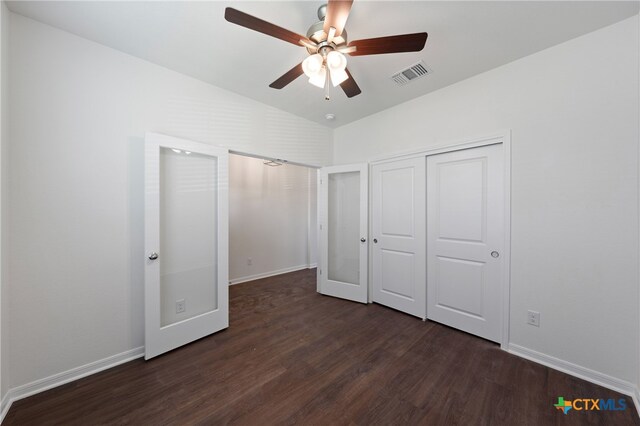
188	235
344	227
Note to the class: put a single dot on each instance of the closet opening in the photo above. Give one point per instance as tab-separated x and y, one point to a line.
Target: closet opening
272	217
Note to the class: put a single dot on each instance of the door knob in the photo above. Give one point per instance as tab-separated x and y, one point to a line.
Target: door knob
362	240
495	254
153	256
375	241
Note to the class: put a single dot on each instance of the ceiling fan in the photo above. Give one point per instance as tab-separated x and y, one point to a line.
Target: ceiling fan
326	42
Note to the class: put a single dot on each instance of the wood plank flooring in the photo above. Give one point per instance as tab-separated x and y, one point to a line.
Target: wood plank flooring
292	356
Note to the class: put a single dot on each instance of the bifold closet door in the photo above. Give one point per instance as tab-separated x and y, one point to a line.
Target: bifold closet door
465	239
399	235
186	242
343	232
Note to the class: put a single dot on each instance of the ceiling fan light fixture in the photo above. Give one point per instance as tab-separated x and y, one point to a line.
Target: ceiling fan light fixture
312	65
336	61
326	43
319	78
338	76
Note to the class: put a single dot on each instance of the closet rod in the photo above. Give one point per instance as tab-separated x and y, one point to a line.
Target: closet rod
280	160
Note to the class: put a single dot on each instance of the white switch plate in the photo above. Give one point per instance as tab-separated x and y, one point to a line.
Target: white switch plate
180	306
533	318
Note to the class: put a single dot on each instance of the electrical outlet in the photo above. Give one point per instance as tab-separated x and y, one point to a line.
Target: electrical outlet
533	318
249	261
180	306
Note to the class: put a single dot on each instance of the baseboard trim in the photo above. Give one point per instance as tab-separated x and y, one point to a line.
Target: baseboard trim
5	405
311	266
584	373
269	274
41	385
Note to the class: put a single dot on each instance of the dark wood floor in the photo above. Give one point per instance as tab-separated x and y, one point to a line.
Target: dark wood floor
292	356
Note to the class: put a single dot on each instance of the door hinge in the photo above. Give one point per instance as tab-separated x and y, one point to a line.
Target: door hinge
320	181
320	270
321	227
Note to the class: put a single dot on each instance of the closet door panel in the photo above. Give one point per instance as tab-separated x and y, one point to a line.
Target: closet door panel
398	244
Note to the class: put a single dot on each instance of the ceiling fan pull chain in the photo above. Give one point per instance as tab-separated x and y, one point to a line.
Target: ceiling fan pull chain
327	85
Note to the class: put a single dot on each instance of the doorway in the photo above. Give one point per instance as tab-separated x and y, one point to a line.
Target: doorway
272	217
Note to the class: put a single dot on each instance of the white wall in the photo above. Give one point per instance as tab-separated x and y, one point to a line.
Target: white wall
79	111
4	142
268	218
573	111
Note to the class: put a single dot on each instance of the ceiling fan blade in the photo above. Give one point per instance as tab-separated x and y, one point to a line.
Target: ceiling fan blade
346	49
350	86
337	14
244	20
288	77
392	44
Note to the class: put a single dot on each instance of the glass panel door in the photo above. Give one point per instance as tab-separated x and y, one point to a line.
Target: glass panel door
343	237
188	234
186	242
343	226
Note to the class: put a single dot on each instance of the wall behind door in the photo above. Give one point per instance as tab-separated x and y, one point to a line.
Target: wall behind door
268	218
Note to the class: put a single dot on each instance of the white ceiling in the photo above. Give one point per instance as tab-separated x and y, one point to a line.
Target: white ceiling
465	38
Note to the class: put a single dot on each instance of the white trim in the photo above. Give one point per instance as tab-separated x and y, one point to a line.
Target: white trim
636	395
456	145
583	373
5	405
312	265
270	273
506	278
319	220
309	216
41	385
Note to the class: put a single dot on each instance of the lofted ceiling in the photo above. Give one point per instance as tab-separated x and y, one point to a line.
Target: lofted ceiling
465	39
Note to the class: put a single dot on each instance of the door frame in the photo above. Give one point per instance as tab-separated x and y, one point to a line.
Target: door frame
501	137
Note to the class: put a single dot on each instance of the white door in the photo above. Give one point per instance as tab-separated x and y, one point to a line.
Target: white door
465	235
398	232
343	232
186	242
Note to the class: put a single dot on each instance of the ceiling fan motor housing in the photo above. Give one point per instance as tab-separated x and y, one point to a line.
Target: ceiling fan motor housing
322	12
317	35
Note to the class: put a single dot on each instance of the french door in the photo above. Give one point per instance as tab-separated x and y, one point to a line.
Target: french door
186	242
343	232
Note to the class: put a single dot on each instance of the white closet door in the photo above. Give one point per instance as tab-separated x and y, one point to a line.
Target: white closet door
398	244
343	233
465	234
186	242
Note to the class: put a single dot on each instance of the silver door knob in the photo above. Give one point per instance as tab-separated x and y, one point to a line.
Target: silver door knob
153	256
362	240
375	241
495	254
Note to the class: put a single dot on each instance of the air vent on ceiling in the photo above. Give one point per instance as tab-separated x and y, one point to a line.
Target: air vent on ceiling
410	74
